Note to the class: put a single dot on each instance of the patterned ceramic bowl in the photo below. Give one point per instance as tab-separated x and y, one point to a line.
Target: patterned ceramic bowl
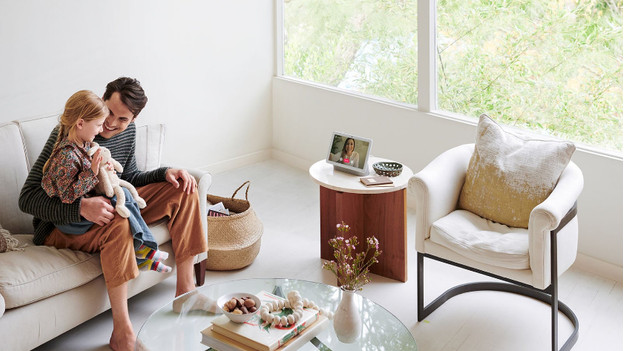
390	169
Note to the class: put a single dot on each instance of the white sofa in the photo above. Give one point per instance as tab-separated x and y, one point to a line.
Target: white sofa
45	292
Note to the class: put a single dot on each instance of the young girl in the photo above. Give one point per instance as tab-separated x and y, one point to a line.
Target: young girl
70	173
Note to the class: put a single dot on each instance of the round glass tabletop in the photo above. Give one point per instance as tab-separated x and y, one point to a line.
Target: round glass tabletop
167	330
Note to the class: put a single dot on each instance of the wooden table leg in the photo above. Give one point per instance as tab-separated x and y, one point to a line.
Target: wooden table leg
382	215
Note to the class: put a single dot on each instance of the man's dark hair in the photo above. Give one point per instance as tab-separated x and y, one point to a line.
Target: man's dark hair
130	91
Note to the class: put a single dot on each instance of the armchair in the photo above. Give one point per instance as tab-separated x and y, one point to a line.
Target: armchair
529	260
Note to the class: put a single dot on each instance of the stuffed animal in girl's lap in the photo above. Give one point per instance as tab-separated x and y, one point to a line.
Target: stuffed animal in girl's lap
110	184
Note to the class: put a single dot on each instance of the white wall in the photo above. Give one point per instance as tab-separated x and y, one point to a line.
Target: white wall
304	116
206	66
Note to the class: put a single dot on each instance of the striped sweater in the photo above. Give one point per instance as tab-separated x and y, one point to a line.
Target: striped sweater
49	210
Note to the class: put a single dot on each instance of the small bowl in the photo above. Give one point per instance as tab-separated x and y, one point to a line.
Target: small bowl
389	169
238	318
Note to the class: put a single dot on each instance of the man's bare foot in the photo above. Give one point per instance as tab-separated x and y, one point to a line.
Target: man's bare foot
122	341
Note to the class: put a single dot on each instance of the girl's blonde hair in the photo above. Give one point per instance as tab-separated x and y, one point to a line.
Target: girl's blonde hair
85	105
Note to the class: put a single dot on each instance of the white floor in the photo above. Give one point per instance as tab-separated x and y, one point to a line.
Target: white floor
286	200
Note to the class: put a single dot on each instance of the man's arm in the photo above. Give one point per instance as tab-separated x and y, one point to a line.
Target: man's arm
123	148
34	200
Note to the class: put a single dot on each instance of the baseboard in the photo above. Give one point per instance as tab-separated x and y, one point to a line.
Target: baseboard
583	262
237	162
593	265
292	160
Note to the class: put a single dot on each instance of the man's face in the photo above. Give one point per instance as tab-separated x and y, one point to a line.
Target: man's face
119	118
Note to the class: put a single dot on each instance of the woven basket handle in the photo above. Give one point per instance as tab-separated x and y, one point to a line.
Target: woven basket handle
239	188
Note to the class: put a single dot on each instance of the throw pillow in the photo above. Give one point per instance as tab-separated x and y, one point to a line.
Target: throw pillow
508	176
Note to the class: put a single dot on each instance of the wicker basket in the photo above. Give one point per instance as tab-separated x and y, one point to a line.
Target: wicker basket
234	240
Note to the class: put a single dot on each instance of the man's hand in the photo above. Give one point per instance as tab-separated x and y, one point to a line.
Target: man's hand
97	209
175	176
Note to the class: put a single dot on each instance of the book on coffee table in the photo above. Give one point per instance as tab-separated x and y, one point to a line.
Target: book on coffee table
222	343
256	333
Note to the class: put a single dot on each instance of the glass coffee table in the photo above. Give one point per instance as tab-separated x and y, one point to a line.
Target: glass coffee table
167	330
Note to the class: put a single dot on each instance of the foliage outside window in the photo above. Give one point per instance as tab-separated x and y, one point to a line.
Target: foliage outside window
546	65
367	46
552	66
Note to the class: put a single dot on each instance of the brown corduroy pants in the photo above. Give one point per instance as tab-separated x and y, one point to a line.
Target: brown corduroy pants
114	241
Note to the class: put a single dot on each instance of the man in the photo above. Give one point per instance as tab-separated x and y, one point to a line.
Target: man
170	193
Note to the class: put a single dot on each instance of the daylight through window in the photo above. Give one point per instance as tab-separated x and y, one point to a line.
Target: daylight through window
550	66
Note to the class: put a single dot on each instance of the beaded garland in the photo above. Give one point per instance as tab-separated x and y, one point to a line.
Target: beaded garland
294	302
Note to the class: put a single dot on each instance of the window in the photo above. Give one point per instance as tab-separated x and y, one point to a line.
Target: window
551	66
363	46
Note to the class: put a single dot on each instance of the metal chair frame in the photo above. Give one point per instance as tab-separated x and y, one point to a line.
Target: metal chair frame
548	295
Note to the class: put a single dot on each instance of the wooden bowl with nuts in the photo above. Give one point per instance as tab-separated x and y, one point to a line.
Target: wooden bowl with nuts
239	307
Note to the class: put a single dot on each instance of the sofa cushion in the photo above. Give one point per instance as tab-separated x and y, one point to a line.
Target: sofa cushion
508	176
39	272
12	177
36	132
149	143
482	240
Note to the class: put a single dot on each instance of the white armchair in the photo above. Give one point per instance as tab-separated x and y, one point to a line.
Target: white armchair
531	259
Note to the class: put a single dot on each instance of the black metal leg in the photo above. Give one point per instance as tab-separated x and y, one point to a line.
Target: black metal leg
548	296
554	278
420	268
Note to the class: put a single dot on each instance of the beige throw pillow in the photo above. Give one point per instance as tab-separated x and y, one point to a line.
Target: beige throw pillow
508	176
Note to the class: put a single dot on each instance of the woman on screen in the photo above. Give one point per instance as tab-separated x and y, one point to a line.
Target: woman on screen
348	155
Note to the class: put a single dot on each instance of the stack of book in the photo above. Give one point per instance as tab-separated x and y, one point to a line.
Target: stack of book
377	181
257	335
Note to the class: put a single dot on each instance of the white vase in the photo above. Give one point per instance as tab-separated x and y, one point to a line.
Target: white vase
347	320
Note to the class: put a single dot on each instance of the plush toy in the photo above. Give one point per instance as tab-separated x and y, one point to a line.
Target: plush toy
110	184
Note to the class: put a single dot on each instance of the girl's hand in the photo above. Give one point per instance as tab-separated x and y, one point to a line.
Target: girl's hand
96	159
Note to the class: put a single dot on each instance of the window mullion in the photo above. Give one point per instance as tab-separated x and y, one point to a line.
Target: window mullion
279	38
427	68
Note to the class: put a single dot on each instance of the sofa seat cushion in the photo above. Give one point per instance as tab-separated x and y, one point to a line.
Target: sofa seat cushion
39	272
482	240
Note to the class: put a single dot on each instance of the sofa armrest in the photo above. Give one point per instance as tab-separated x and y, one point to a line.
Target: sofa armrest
436	188
2	306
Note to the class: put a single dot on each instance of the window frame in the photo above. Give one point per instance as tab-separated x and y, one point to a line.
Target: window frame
427	83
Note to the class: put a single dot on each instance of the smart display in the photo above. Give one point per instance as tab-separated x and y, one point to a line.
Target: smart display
349	153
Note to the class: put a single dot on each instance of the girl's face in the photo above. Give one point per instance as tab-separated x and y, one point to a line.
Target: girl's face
350	145
87	130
